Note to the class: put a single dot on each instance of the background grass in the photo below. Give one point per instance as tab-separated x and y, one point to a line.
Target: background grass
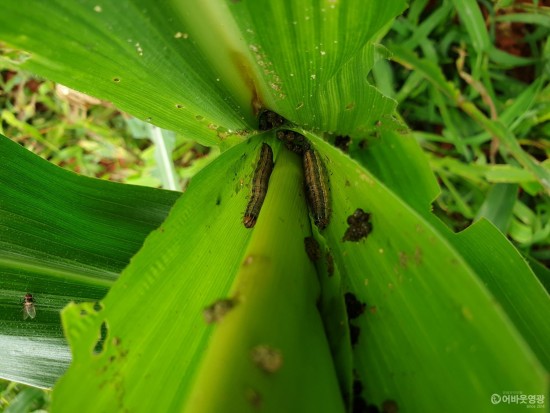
497	57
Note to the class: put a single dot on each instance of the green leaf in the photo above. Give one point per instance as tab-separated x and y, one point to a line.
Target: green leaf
501	268
164	146
538	19
421	293
498	205
65	237
303	52
541	271
447	318
422	31
138	55
413	181
470	15
495	127
264	365
25	401
184	266
223	75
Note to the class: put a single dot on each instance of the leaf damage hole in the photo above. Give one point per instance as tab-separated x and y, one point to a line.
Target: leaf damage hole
359	226
103	333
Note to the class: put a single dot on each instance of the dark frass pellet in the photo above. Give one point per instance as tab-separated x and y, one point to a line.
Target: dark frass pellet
359	226
354	307
269	120
313	249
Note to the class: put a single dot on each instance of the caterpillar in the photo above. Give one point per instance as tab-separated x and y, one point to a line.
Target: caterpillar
294	141
317	188
269	120
259	186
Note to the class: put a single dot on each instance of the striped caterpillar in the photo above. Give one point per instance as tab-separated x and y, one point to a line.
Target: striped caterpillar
317	188
294	141
259	186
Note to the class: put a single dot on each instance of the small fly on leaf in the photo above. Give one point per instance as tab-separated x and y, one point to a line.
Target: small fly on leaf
28	307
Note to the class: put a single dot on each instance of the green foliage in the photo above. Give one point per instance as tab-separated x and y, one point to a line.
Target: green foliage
431	325
15	398
65	237
474	83
90	137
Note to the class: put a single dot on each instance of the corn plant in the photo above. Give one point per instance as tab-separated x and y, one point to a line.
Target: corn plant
310	276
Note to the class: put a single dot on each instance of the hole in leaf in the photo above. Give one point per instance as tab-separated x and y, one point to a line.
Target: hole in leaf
103	332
